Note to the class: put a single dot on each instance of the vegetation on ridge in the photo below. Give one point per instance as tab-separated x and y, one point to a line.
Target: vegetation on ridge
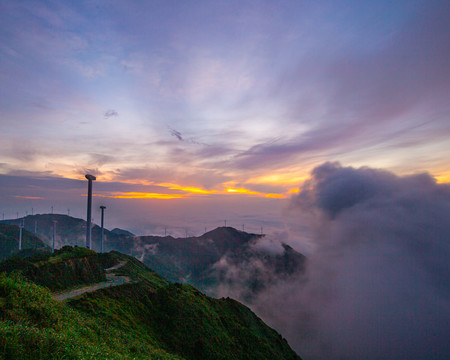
9	241
34	326
67	267
148	319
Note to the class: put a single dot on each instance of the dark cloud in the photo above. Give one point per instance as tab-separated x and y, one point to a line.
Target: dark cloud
333	189
377	284
24	191
311	144
175	133
33	180
101	159
110	113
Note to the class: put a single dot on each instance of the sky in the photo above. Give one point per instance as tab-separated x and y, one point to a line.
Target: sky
322	123
190	113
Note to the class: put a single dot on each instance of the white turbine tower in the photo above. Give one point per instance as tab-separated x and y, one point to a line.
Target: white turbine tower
89	210
20	235
101	236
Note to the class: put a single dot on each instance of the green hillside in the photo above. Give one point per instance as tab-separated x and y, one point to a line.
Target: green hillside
173	258
67	267
72	231
147	318
191	260
9	241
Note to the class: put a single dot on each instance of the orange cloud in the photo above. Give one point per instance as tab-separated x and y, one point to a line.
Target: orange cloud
243	191
283	179
183	192
140	195
28	197
443	178
275	196
256	193
187	189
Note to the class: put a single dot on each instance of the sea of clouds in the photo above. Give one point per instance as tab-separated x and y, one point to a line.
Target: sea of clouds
376	284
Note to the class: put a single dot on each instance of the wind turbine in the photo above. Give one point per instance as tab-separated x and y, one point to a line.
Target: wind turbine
101	236
20	235
90	178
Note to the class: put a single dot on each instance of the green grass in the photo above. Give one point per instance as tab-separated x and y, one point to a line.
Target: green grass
34	326
65	268
150	318
9	241
184	321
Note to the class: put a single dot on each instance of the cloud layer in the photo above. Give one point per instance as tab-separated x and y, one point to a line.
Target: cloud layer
377	284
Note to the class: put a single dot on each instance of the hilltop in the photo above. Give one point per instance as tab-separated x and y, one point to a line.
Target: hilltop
72	231
205	261
221	257
9	241
146	318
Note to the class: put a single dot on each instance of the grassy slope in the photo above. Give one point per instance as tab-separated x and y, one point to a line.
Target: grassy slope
65	268
150	319
9	240
34	326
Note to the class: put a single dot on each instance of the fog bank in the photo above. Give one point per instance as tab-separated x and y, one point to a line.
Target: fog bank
376	285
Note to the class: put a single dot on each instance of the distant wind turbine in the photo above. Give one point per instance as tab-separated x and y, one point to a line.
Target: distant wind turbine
20	235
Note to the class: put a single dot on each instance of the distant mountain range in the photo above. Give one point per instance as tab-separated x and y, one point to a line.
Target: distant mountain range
224	258
72	231
122	232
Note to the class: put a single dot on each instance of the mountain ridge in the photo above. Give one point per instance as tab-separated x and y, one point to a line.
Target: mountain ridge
209	261
146	318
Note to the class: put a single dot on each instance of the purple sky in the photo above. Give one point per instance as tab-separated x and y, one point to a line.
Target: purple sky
224	105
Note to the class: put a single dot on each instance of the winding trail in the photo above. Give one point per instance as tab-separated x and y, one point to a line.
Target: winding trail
112	280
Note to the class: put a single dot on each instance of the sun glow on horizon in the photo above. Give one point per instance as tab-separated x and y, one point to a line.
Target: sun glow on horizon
142	195
283	179
443	179
188	189
255	193
233	188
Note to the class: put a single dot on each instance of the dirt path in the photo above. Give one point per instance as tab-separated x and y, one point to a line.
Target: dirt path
112	280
